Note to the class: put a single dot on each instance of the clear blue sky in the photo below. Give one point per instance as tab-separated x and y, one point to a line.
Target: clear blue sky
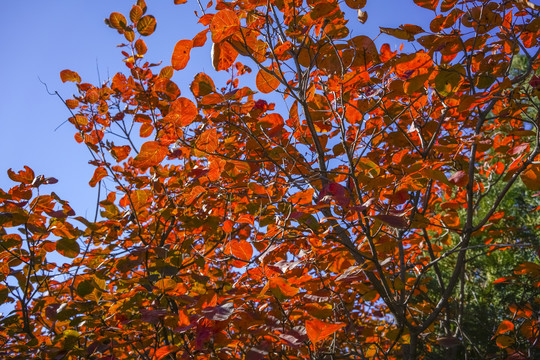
41	38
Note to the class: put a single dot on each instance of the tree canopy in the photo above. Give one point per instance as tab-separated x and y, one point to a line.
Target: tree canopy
358	202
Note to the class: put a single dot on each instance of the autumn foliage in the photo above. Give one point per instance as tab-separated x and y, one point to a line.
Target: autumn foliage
328	212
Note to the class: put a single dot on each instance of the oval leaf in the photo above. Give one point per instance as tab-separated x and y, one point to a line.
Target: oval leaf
186	111
117	21
146	25
266	83
68	247
224	24
180	56
151	154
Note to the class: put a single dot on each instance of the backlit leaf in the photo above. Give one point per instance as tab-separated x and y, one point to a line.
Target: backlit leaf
223	56
146	25
531	177
224	24
180	56
282	288
504	341
242	250
186	110
427	4
266	82
135	13
318	330
504	327
208	141
202	85
392	220
117	21
99	174
68	247
68	75
163	351
151	154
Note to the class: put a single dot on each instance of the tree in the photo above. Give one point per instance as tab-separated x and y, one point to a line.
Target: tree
339	228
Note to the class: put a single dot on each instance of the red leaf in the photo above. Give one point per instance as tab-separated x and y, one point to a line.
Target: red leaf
392	220
151	154
180	55
459	178
319	330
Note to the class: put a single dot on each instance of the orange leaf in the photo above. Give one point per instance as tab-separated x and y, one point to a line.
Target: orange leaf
186	110
180	55
140	47
68	75
194	194
117	21
504	341
223	56
208	141
319	330
283	286
302	197
224	24
202	85
120	152
151	154
99	174
266	83
504	327
200	39
165	350
136	13
242	250
531	177
146	25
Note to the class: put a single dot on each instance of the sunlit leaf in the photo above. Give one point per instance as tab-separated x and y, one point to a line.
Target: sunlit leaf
151	154
224	24
180	56
99	174
318	330
68	247
146	25
68	75
164	351
266	82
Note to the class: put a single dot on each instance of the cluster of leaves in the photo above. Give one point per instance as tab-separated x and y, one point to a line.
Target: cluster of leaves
346	226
